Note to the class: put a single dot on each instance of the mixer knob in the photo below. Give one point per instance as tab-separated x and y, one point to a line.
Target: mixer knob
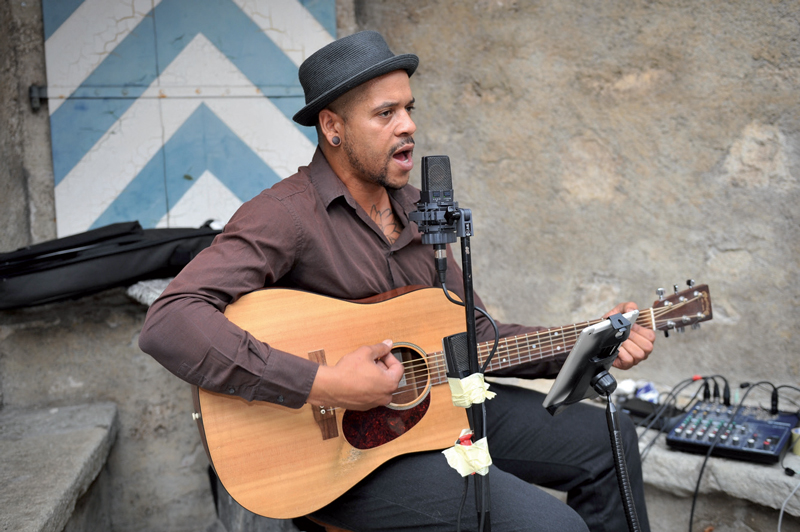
751	442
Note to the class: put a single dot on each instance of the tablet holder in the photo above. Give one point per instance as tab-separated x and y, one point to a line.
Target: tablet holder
585	375
585	372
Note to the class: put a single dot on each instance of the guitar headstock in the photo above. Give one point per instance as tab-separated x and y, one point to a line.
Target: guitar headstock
689	307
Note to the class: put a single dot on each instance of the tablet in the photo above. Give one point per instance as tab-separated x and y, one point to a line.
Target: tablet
594	352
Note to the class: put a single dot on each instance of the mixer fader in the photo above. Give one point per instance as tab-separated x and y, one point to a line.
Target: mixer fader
754	434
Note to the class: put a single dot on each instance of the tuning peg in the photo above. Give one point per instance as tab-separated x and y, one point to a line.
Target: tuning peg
681	330
666	334
690	283
660	293
695	326
675	287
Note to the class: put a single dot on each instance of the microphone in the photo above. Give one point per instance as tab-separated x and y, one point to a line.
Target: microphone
436	208
456	355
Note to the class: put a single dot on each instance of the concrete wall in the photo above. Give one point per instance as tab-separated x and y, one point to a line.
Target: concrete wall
27	212
605	148
609	148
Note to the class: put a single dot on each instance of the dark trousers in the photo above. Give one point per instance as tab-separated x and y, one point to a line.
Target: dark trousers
570	452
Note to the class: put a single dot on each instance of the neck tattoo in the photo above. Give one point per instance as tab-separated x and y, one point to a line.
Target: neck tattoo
387	221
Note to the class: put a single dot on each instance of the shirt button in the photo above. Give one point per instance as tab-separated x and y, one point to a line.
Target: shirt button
280	398
231	389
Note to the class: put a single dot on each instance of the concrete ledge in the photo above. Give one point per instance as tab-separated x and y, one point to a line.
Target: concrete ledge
676	472
48	459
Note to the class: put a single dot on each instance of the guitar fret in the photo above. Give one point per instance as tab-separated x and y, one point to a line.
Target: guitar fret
537	345
550	338
527	347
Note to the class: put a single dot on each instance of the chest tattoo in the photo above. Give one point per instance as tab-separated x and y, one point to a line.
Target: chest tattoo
387	221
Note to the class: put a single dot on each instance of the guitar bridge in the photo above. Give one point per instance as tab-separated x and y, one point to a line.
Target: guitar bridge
325	416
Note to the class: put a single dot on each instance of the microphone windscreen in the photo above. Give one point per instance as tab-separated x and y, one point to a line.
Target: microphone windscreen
456	355
436	173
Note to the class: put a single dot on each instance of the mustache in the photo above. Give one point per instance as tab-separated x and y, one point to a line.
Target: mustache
407	142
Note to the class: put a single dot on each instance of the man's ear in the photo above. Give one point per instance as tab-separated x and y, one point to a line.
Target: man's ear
330	125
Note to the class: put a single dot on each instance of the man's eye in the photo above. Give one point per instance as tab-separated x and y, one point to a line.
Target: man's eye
410	109
385	113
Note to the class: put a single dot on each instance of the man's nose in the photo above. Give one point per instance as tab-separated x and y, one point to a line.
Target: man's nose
407	126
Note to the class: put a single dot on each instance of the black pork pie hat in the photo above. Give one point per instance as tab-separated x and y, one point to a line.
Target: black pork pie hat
343	65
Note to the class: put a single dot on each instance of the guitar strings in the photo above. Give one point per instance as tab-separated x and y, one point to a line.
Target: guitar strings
514	347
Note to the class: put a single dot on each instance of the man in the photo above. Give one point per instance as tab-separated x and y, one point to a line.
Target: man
340	227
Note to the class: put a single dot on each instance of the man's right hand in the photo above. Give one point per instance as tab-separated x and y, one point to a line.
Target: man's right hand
361	380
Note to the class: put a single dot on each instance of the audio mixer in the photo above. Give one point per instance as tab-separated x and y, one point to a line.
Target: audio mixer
754	434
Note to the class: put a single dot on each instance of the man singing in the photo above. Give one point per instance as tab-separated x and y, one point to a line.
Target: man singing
340	227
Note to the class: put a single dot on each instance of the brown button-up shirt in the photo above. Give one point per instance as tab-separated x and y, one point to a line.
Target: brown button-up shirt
306	232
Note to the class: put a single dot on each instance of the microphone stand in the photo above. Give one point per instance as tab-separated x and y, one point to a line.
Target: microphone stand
462	218
441	221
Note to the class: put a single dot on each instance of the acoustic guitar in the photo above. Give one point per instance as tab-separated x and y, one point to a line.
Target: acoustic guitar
282	463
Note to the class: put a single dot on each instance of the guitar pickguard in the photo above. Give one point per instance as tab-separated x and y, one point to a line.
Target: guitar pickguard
375	427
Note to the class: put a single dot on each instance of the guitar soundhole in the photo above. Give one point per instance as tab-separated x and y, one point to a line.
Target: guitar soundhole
366	430
416	377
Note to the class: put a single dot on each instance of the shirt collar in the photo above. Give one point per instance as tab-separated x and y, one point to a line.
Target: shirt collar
330	187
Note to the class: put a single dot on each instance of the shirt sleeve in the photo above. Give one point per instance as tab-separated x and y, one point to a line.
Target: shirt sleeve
186	331
537	369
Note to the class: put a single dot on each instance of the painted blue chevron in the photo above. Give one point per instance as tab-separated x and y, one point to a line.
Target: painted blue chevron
79	123
325	13
55	13
202	143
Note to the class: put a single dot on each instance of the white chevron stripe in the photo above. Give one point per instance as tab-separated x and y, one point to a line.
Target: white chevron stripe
98	26
103	173
289	25
94	183
207	199
85	39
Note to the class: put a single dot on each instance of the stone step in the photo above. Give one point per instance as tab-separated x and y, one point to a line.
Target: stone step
48	459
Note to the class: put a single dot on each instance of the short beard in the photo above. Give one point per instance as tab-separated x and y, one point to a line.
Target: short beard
379	178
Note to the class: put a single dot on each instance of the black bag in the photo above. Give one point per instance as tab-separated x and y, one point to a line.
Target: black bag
119	254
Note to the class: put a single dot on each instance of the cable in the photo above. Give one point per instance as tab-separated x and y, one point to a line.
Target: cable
483	496
716	439
461	505
788	470
672	397
783	506
488	317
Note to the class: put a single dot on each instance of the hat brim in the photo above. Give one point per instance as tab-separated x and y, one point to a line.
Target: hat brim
307	116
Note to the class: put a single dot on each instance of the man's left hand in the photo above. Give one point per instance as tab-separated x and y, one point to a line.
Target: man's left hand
638	345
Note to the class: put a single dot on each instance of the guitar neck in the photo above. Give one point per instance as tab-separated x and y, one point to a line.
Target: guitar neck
685	308
529	347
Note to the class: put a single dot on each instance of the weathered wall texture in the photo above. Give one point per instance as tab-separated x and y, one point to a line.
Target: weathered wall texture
12	182
609	148
606	149
27	212
88	351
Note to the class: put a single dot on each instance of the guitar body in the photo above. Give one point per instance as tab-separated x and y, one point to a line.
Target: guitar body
281	462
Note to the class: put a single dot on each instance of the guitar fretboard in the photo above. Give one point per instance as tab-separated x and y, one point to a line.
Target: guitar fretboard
528	347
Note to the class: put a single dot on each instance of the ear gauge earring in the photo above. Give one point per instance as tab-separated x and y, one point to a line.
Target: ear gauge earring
336	141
